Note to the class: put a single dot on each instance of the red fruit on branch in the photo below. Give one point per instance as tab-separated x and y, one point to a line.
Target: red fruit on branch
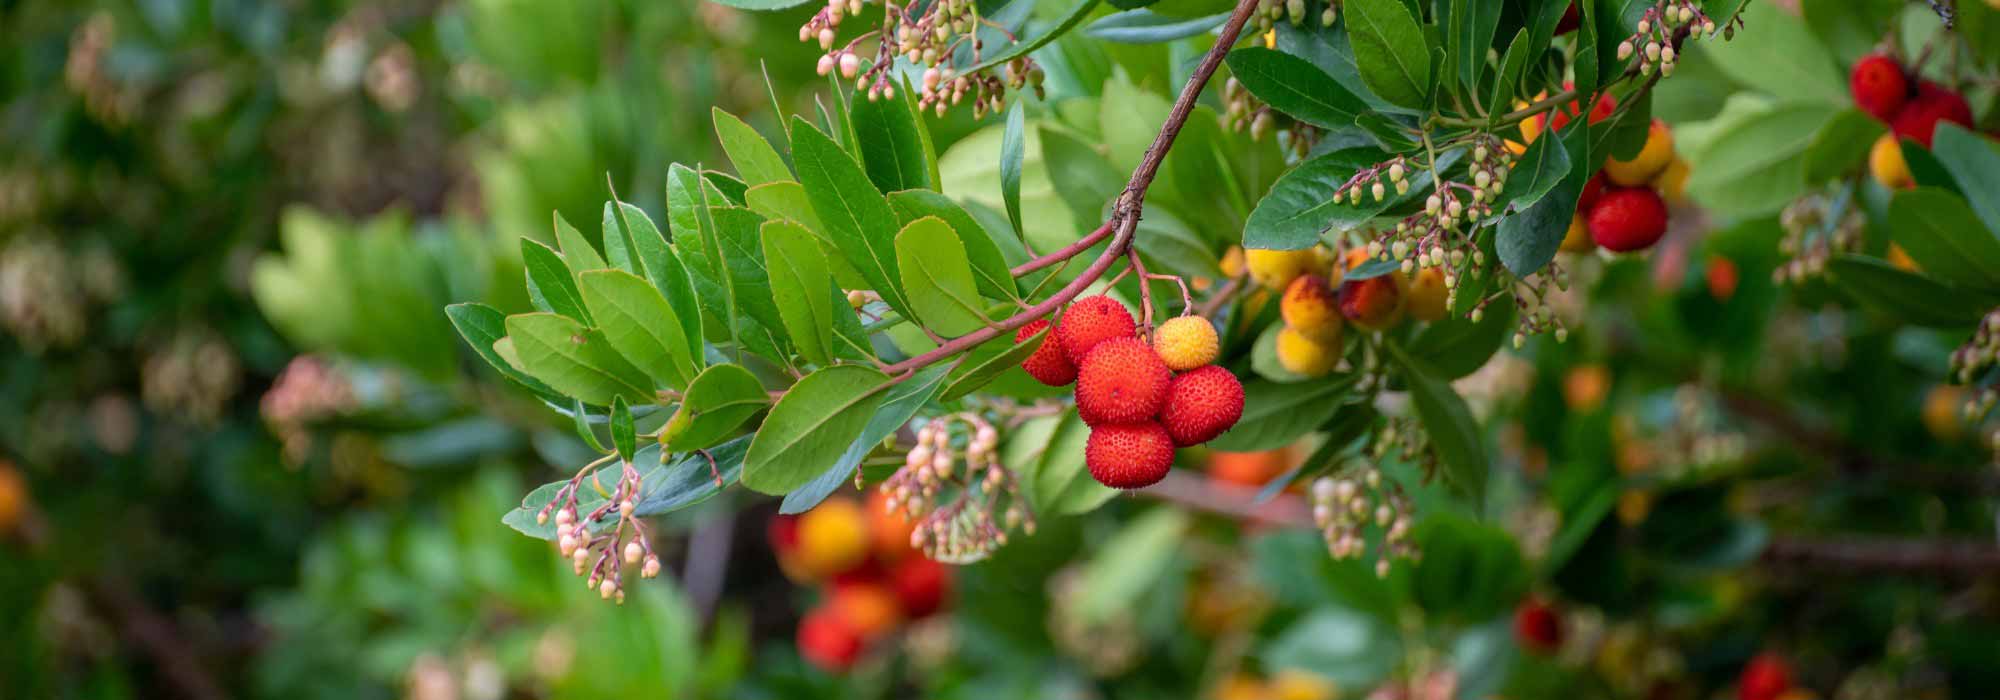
1537	627
1766	677
1201	405
1123	381
1592	189
1129	456
1626	219
1560	117
1048	364
1933	103
826	640
1089	321
1879	86
921	585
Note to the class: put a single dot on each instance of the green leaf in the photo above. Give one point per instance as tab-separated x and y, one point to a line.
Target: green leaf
856	217
618	243
683	203
1275	414
575	360
1453	434
1338	642
1470	34
760	5
738	233
1944	236
1300	204
799	280
893	148
1457	346
1513	65
1757	165
1145	27
1975	166
576	250
1010	163
1528	240
550	283
1057	479
1905	296
939	278
1841	145
580	416
753	156
989	266
483	326
1082	177
640	325
1069	20
1295	86
1783	60
812	426
1470	571
902	404
669	277
1539	169
623	435
663	488
787	200
718	401
1390	50
1129	563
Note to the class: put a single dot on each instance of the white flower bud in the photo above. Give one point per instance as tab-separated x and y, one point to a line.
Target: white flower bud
633	551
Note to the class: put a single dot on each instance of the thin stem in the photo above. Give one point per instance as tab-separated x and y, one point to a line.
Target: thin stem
1067	252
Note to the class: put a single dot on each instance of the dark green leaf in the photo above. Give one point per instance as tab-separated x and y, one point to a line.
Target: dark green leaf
1470	571
1390	50
623	435
893	148
753	156
809	429
1295	87
1300	204
985	372
1513	65
1011	151
1841	145
575	360
1454	437
1975	166
1528	240
1457	346
902	404
1540	168
855	216
1275	414
715	405
1944	236
550	284
483	326
799	280
1905	296
1144	27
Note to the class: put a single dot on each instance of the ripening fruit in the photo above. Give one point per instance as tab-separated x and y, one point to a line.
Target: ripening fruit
1885	162
1048	364
832	538
1276	268
1202	404
1765	677
1537	628
13	497
1123	381
1626	219
1672	182
888	529
1652	159
1593	188
1376	303
1129	455
1879	86
1248	468
783	534
1311	308
1089	321
1232	262
1186	342
1295	684
1944	413
1304	356
1427	295
1560	117
869	609
921	586
1933	103
1722	277
826	641
1577	239
1240	686
1585	387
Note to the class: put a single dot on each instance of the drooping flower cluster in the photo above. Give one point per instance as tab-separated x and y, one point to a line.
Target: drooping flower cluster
1346	509
945	38
580	536
1298	12
956	491
1654	39
309	390
1816	229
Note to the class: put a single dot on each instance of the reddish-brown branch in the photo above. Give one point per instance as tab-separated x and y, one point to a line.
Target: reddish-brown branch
1124	217
1199	493
1067	252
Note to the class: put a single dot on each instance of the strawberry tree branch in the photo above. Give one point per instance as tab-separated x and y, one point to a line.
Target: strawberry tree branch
1124	219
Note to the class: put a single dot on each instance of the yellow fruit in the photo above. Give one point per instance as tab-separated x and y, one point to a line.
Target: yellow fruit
1427	295
1186	342
870	609
1309	308
1672	182
1293	684
1276	268
1902	260
1885	162
1653	158
1577	239
1232	262
1302	355
1531	127
833	538
13	497
1944	412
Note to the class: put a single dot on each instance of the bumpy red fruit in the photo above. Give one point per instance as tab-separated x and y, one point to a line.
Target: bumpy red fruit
1048	364
921	585
1129	455
1934	103
1089	321
1765	678
1628	218
827	641
1561	117
1879	86
1123	381
1537	628
1202	404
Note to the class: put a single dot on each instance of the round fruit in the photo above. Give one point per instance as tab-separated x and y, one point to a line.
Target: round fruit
1626	219
1879	86
1294	684
1375	303
1248	468
1089	321
1276	268
921	586
1048	364
826	641
868	608
1311	308
1885	162
13	497
1232	262
1537	628
1123	381
1427	295
1934	103
1722	278
1130	455
1186	342
832	538
1559	118
1672	182
1304	356
1652	159
1943	412
1585	386
1577	239
1202	404
889	529
1593	188
1765	677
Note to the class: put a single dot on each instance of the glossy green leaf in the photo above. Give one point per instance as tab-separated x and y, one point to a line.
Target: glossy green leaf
483	326
738	233
939	278
550	284
575	360
1010	162
1295	87
799	280
1513	65
1300	204
1145	27
1468	34
893	148
1528	240
1454	436
576	250
1458	346
1275	414
1974	164
1539	169
640	325
902	404
753	156
787	200
714	406
856	217
1390	50
1841	146
1941	232
810	427
669	276
623	434
989	267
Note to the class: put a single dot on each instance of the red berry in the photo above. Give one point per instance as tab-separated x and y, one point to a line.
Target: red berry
1047	365
826	640
1561	116
1878	85
1537	628
1628	218
1202	404
1089	321
1934	103
921	584
1569	22
1592	189
1765	678
1123	381
1129	456
783	533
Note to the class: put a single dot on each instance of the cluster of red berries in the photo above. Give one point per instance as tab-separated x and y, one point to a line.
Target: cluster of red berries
1911	107
1138	408
872	582
1620	208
